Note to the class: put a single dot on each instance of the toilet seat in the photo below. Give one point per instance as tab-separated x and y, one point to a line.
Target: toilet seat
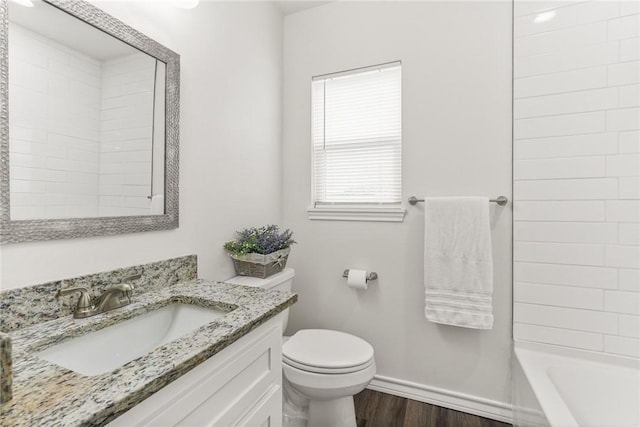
327	352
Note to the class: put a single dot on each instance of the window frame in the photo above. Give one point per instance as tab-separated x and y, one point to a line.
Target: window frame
345	211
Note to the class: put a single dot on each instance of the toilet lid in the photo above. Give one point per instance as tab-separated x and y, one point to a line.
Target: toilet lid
325	351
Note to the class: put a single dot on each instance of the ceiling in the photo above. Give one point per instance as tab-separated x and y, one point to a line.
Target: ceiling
292	6
53	23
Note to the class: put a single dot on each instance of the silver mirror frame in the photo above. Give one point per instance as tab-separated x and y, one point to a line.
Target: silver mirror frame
50	229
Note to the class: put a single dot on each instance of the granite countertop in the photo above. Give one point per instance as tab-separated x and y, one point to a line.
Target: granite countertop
49	395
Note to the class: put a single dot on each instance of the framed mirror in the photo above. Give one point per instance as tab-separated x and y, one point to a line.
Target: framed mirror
89	116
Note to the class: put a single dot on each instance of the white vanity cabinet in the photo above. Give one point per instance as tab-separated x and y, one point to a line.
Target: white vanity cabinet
239	386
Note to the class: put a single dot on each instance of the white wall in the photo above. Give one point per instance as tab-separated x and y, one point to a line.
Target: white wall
456	65
576	170
230	148
54	128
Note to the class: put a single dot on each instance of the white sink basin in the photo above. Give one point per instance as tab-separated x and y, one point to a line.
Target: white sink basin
105	350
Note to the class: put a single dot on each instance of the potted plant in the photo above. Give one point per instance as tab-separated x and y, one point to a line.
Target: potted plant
260	252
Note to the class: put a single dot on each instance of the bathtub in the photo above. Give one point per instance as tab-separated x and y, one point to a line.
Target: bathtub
581	389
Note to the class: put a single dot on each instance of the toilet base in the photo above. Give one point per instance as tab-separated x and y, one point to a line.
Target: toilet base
338	412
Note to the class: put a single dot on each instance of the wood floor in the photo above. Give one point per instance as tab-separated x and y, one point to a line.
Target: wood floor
375	409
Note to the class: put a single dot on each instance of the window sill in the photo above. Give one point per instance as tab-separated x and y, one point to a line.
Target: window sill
351	213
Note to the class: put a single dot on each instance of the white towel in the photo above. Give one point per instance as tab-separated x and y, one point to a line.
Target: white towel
157	204
458	265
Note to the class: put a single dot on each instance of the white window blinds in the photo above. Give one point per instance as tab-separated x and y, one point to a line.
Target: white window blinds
357	134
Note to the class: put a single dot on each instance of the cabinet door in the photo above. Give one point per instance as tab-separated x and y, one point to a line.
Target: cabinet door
267	412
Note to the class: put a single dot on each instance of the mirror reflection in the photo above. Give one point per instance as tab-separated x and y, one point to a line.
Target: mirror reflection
86	120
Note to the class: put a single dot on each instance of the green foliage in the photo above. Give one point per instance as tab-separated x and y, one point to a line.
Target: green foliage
263	240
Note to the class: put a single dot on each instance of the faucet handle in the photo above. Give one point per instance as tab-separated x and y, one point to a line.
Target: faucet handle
126	288
83	302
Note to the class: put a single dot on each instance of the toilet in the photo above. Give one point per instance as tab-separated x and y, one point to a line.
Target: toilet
322	369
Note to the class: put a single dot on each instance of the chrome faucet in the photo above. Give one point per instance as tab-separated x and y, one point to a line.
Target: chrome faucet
113	297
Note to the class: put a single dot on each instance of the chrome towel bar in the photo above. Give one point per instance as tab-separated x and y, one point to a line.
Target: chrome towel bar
500	200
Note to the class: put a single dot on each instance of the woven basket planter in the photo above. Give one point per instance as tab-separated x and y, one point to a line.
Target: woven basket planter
258	265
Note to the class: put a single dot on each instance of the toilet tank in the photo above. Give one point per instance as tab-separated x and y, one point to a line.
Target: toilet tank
280	281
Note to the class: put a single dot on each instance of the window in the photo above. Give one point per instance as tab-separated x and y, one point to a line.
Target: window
357	141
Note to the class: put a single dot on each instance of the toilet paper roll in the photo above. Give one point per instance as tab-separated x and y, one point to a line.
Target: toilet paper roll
357	279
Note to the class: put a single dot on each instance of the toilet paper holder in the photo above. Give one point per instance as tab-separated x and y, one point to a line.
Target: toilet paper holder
371	276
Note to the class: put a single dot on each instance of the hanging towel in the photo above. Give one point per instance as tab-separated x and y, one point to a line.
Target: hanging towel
458	265
157	204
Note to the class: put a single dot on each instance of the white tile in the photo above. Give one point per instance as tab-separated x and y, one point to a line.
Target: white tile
27	186
111	201
568	16
84	155
568	81
567	167
565	232
623	119
629	279
628	7
135	190
555	295
584	57
53	212
623	165
82	211
622	345
138	133
622	302
112	157
629	326
137	202
625	73
82	178
567	146
570	275
629	188
566	103
18	172
629	49
111	168
25	134
27	212
558	210
622	256
566	189
37	199
623	211
623	28
563	253
110	190
629	96
557	336
27	160
629	234
567	318
527	7
138	156
561	40
82	199
138	168
629	142
569	124
141	144
111	179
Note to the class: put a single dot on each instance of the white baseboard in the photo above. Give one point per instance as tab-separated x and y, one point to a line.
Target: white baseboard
446	398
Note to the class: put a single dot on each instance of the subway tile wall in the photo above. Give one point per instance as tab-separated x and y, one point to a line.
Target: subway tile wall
577	174
54	128
81	130
126	135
